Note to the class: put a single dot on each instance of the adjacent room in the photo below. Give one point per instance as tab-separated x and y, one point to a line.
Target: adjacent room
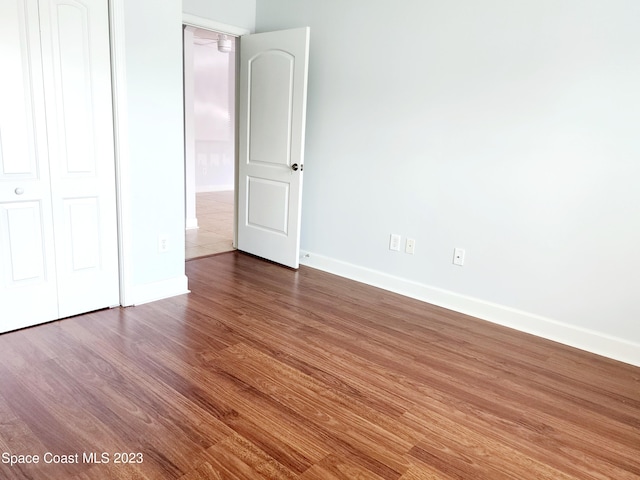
210	143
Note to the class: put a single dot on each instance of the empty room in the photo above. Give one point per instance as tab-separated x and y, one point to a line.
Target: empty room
435	264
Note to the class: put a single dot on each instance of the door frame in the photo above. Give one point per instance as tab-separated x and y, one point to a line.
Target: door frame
121	144
231	30
201	22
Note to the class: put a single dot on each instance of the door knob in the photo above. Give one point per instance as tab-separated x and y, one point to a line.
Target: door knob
19	191
295	167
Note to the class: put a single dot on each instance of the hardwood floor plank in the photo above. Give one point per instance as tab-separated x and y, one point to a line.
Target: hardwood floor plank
338	468
50	433
241	459
425	472
268	373
272	429
204	471
175	399
484	455
318	405
111	471
17	437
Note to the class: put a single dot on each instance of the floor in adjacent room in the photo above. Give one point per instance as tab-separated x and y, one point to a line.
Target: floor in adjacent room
214	211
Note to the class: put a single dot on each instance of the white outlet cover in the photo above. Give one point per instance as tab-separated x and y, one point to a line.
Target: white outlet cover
394	242
410	246
458	256
163	244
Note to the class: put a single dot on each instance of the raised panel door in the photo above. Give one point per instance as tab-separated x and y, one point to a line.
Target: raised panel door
28	292
77	78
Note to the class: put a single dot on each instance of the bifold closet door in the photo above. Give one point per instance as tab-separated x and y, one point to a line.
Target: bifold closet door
77	79
28	292
58	241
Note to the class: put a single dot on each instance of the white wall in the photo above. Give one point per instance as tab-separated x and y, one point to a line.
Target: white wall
214	109
151	148
239	13
506	128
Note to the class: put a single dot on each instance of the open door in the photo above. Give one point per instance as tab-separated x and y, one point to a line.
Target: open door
273	95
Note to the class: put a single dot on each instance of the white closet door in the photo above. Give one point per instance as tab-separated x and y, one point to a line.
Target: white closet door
77	80
27	268
58	239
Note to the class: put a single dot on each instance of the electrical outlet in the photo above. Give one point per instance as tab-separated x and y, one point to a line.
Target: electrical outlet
163	243
394	242
458	256
410	246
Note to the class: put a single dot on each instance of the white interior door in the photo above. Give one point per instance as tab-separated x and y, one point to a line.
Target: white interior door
77	80
28	291
273	94
58	243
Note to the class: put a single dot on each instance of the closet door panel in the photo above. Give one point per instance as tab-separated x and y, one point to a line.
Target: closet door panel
28	293
76	63
18	149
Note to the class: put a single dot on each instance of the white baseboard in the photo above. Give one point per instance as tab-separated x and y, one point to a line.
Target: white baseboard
191	224
213	188
584	339
150	292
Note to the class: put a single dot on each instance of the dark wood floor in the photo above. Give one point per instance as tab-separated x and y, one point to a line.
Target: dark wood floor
263	372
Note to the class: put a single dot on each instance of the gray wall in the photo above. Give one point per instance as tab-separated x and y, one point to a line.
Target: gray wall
511	129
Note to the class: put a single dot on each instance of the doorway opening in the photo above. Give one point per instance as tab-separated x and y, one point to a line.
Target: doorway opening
210	141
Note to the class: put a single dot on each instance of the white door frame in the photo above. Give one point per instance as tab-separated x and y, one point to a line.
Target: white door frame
201	22
121	140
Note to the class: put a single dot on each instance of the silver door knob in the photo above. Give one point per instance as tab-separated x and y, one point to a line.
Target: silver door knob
19	191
